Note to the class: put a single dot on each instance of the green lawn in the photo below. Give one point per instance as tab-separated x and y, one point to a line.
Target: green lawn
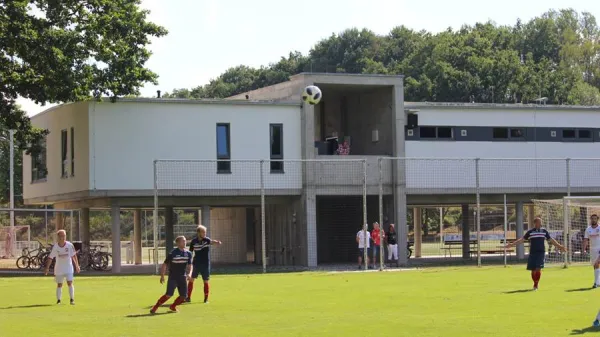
431	302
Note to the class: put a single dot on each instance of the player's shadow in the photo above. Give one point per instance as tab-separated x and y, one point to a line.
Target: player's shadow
589	329
25	306
147	315
578	290
518	291
162	306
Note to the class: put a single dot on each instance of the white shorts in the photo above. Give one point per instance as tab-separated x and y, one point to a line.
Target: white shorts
61	278
594	253
393	252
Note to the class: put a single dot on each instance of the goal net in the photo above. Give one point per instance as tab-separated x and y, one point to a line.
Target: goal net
566	219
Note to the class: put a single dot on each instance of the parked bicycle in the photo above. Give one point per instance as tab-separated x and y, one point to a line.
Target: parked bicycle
34	259
94	259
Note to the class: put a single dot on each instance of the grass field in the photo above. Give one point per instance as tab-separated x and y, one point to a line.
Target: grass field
490	301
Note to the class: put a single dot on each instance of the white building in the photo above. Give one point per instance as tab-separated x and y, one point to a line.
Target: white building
101	155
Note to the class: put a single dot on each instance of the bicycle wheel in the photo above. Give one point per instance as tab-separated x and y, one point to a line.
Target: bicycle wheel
23	262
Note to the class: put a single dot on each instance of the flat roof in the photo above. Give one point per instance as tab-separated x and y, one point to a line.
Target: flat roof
347	74
496	106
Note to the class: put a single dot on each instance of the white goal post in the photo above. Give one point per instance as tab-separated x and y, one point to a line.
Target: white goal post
566	219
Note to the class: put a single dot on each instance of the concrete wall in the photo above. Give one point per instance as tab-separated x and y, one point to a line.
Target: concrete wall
56	119
290	90
229	226
128	136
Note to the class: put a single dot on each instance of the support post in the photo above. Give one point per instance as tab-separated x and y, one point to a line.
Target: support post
418	228
137	236
84	229
60	220
505	227
12	193
520	229
466	232
115	213
169	229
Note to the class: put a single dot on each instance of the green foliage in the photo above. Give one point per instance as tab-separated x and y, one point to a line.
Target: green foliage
555	55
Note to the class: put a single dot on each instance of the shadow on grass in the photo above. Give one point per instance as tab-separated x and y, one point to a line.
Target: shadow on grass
26	306
518	291
578	290
589	329
162	306
147	315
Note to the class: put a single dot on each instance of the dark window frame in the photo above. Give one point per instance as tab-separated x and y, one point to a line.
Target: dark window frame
276	163
72	151
580	136
516	133
39	169
429	129
64	143
437	132
498	133
573	136
224	161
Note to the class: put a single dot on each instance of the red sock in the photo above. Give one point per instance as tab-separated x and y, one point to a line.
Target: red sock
533	275
206	288
190	289
160	302
177	302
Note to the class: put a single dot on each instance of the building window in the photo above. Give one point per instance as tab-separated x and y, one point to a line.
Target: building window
72	152
517	133
63	154
444	132
500	133
276	131
223	148
427	132
568	133
39	171
585	134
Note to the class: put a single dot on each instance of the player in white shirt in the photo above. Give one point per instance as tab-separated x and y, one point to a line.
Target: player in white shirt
66	265
591	238
363	238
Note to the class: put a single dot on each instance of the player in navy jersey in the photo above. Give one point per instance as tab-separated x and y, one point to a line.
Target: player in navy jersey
537	249
179	263
200	246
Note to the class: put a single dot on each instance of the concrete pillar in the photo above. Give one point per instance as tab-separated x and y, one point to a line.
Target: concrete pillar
399	171
520	228
530	216
466	231
74	226
310	207
169	229
59	218
115	214
205	218
84	227
137	236
417	221
197	216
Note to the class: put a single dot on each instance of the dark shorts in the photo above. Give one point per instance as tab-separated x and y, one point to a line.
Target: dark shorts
179	283
361	252
536	260
202	270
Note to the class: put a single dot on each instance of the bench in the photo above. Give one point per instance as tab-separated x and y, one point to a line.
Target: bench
450	245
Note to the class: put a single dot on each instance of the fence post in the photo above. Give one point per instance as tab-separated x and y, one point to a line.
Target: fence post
505	227
12	193
568	163
72	224
263	235
381	254
366	239
155	216
566	233
478	218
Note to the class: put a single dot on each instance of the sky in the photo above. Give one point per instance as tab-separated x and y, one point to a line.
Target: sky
206	37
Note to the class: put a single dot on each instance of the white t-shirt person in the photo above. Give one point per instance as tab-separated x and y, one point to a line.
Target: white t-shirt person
361	239
64	259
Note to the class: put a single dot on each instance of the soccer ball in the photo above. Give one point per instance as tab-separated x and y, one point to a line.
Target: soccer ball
312	95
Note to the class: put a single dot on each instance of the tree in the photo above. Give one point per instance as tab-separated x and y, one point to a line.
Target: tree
71	50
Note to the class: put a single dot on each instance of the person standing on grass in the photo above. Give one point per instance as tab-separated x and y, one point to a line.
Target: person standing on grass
66	264
592	238
537	249
376	236
201	246
391	238
363	238
179	263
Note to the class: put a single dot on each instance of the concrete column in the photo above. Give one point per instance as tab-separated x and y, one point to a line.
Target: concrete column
84	227
520	228
169	229
417	221
399	171
137	236
310	207
59	218
466	232
530	216
205	218
115	214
